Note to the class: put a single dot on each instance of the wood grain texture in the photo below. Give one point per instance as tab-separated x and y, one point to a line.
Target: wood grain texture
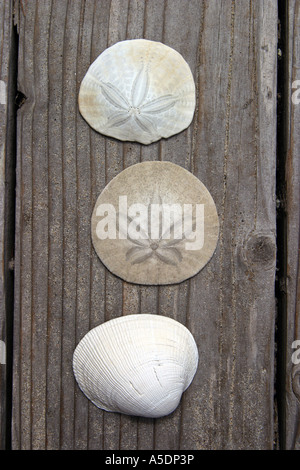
292	287
7	161
63	290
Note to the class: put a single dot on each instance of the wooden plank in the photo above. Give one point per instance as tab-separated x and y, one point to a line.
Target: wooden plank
63	290
7	162
291	438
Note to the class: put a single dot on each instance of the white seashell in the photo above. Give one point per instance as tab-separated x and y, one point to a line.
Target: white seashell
137	364
138	90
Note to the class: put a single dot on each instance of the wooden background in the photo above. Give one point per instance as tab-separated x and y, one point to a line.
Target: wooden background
291	285
61	289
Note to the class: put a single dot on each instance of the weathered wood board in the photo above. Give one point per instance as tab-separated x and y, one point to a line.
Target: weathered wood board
8	54
61	288
291	331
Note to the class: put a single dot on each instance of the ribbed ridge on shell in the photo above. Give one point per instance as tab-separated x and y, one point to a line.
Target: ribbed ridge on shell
136	364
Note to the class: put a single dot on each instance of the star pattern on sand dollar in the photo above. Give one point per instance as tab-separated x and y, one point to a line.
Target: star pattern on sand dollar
166	250
137	109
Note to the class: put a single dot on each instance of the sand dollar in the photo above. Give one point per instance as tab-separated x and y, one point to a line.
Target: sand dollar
138	90
155	223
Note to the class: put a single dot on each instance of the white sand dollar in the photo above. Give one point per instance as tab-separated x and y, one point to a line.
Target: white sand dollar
136	364
138	90
155	223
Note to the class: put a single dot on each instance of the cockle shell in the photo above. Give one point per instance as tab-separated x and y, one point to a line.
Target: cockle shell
141	229
136	364
138	90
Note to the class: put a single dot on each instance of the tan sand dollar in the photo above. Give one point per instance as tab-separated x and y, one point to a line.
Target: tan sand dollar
138	90
136	364
155	223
